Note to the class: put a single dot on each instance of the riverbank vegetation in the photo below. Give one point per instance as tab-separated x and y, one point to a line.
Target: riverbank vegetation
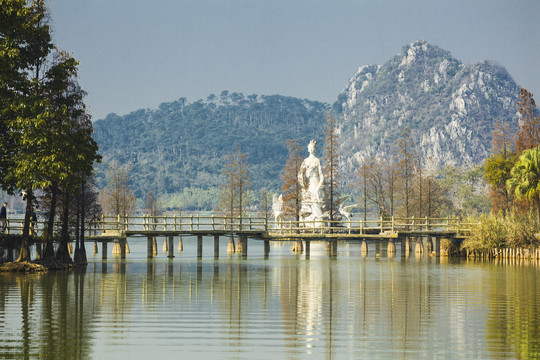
513	173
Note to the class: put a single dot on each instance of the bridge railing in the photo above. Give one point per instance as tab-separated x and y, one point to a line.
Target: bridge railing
185	223
198	222
381	225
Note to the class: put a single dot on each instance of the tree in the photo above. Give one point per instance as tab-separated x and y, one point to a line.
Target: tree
25	43
46	134
233	193
117	198
498	166
525	178
407	159
331	168
377	186
291	188
363	174
528	135
264	203
68	150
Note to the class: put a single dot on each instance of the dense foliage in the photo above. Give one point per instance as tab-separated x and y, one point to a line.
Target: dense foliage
46	143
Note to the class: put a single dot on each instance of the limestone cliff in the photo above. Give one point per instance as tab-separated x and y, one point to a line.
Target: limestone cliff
449	107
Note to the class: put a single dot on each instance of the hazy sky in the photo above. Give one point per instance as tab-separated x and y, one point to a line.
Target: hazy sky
138	53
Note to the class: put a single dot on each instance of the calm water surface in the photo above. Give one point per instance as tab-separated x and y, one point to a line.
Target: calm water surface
286	306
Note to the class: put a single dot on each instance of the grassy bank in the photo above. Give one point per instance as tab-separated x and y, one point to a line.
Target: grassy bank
502	235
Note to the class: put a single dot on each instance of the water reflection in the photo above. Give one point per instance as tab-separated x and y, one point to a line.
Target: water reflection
326	307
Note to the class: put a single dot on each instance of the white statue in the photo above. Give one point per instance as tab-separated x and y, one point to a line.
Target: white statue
277	207
346	212
310	178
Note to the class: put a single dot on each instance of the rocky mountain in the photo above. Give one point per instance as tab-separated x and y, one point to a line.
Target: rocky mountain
449	107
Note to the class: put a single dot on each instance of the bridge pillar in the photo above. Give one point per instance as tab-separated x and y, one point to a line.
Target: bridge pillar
437	246
391	248
241	247
408	246
154	246
180	244
419	248
297	247
104	250
383	250
364	248
377	248
331	247
171	247
165	246
122	242
216	246
199	246
429	246
149	247
230	246
266	248
308	248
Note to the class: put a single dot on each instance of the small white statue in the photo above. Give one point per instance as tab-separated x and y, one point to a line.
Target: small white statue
310	178
346	212
277	208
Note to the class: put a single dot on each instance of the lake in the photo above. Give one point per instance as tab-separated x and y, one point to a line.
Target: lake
286	306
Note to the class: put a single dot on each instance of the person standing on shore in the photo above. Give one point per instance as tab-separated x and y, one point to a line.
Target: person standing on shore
3	218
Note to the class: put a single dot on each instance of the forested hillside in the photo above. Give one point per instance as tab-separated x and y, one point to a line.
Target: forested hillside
182	144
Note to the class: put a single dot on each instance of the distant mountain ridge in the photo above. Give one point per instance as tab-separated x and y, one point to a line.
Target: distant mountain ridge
449	107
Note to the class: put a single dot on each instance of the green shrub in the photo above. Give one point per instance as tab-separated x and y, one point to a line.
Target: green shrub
501	231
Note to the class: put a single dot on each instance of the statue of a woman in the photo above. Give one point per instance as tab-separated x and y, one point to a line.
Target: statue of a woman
310	178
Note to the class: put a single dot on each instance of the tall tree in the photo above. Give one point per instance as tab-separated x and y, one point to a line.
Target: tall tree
291	188
498	166
117	198
331	168
233	193
363	175
67	143
406	165
528	135
25	44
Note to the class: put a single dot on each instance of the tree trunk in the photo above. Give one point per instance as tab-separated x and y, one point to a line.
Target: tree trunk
48	255
76	254
24	253
82	258
62	255
537	209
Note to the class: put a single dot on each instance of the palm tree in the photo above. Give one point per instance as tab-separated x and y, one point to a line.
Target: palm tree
525	178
